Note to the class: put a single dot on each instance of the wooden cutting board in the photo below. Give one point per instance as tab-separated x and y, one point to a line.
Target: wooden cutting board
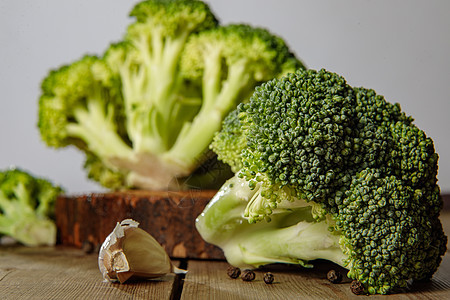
168	216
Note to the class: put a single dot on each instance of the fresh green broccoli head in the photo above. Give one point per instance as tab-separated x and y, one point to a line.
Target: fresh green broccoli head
62	89
68	95
261	54
172	18
27	207
137	111
81	105
355	158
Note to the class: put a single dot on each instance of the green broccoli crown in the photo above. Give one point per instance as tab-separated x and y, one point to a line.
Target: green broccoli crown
227	63
262	54
230	141
69	90
391	231
172	17
311	136
27	207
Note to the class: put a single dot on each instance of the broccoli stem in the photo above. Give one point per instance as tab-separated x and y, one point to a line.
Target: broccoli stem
150	92
189	148
97	128
148	171
293	235
297	244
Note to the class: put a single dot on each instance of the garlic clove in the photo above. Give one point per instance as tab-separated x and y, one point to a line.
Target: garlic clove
130	252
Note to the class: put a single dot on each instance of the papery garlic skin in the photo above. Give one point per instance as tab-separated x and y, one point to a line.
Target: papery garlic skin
110	248
130	252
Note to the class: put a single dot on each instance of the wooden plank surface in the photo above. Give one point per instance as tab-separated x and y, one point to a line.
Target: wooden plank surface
207	280
69	273
61	273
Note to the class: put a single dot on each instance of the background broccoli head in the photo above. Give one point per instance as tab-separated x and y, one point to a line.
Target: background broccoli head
310	137
146	110
27	207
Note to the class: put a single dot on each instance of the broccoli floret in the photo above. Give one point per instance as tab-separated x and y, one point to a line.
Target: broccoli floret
226	63
146	110
357	162
81	106
27	207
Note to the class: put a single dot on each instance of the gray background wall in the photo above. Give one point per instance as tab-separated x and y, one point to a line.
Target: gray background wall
399	48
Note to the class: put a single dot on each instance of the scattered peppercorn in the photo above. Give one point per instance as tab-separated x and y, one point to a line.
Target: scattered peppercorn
248	275
97	248
233	272
87	247
357	287
268	278
334	276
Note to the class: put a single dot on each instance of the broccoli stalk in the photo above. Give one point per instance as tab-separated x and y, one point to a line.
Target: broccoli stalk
292	235
368	174
27	208
149	69
227	62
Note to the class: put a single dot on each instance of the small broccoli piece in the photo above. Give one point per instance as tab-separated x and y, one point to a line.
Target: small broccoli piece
146	110
27	207
358	164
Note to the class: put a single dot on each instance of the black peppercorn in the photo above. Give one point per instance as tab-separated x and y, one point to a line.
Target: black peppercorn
233	272
87	247
334	276
268	278
356	287
248	275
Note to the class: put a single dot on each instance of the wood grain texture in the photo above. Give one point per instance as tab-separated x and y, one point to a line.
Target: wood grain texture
168	216
208	280
49	273
68	273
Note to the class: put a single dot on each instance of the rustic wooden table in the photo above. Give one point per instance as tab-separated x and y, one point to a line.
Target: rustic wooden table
69	273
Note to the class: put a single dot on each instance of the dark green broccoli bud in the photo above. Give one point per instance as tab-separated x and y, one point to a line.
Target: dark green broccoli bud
229	142
389	232
364	169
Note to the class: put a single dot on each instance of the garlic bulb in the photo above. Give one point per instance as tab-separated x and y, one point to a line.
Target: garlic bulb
130	252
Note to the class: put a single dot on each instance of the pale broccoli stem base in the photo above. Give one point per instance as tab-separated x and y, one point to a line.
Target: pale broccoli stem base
219	98
147	171
292	236
296	244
